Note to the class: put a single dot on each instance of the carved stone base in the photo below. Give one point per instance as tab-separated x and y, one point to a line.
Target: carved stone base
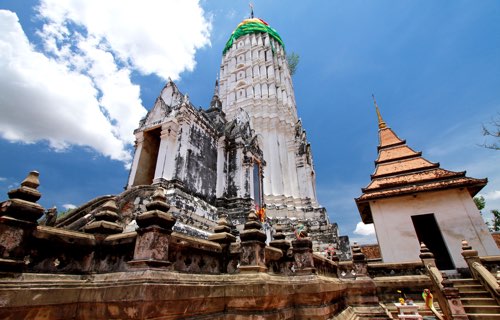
302	254
252	269
152	244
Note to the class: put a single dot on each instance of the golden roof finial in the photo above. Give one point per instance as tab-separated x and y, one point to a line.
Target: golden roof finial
381	123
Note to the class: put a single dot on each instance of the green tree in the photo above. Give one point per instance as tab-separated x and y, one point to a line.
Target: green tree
492	130
293	62
495	222
479	202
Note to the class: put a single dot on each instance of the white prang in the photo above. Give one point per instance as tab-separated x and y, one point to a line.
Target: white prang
254	76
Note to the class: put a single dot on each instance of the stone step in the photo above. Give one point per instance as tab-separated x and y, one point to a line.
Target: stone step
474	294
478	301
483	316
470	287
482	309
457	282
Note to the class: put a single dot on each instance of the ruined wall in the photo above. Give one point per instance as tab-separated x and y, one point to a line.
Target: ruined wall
196	160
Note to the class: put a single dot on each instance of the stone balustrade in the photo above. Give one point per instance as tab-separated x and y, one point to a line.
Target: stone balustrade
26	246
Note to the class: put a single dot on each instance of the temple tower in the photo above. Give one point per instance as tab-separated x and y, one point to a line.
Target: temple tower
255	79
412	200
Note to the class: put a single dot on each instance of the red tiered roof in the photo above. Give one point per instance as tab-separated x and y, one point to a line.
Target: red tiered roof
399	170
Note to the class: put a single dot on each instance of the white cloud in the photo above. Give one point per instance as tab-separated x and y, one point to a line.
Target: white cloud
493	195
78	91
68	206
3	179
364	229
43	99
154	37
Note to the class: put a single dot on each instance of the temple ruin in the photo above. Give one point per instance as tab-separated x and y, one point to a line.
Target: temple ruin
220	220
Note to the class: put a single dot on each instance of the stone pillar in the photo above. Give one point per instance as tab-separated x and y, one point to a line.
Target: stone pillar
470	257
18	220
221	161
105	220
222	235
426	256
253	243
360	265
302	254
153	234
362	291
279	242
165	163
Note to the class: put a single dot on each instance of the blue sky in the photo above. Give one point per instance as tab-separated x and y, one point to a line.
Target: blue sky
76	76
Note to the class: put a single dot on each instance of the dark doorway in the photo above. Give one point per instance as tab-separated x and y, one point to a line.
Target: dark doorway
257	190
428	232
149	155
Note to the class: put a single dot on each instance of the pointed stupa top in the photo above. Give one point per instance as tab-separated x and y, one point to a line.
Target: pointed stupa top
381	122
399	170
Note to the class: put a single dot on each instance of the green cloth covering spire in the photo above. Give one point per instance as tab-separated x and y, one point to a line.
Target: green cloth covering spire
252	27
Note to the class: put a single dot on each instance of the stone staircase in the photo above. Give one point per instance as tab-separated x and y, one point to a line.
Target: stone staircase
371	312
477	302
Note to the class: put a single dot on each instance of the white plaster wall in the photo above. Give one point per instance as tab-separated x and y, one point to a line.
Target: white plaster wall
269	101
456	216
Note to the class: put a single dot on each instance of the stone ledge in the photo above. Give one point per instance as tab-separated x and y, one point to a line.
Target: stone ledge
63	235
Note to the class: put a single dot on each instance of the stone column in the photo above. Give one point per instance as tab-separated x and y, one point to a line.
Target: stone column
292	168
285	263
165	163
253	243
426	256
222	235
359	261
470	257
362	290
18	220
302	254
153	234
221	161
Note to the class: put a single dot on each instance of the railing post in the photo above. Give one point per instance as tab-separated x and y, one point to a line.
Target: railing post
153	234
18	220
359	261
279	242
470	256
253	243
302	254
223	237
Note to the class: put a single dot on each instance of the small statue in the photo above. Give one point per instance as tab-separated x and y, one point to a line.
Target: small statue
429	303
402	297
300	232
51	217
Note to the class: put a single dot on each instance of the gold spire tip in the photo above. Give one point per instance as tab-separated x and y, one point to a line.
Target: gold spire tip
381	122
